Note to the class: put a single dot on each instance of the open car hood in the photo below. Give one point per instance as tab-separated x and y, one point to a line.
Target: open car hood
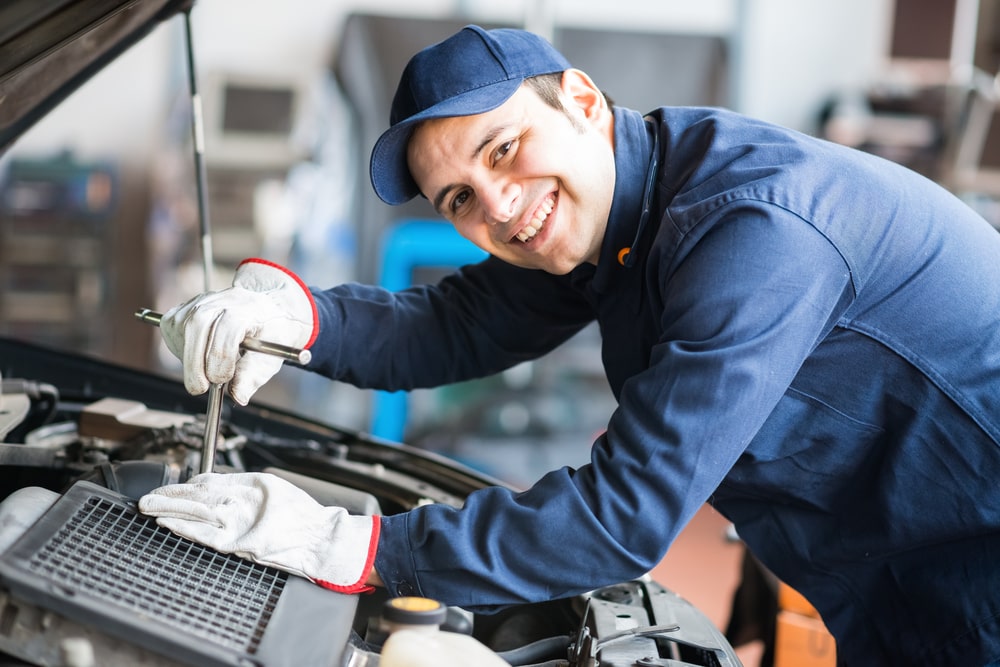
48	48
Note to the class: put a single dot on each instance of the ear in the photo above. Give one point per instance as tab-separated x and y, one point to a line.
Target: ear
583	94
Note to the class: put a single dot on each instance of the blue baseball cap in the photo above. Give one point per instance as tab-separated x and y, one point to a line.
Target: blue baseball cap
471	72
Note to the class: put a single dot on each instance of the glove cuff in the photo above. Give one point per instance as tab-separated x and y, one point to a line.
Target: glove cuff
261	268
372	525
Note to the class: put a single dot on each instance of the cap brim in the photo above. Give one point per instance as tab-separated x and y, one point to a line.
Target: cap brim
390	173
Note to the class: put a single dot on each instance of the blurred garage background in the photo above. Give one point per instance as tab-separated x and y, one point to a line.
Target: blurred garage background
98	213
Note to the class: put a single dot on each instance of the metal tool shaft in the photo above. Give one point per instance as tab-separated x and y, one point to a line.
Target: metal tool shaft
213	420
216	392
285	352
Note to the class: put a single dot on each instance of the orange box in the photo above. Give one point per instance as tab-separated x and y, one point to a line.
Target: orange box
790	599
803	641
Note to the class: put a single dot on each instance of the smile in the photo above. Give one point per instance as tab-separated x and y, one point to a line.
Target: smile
537	220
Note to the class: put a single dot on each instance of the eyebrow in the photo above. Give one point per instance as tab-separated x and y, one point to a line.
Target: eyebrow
487	140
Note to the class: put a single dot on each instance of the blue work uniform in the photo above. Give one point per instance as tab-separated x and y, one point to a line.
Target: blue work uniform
804	335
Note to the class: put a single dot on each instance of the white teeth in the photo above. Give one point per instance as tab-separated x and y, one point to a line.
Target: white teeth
537	221
529	231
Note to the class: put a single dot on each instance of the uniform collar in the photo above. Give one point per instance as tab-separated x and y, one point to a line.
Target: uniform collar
634	143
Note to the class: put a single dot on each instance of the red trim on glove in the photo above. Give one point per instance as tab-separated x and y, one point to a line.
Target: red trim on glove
360	586
290	274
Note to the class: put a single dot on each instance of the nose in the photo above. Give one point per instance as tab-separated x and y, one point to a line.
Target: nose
499	200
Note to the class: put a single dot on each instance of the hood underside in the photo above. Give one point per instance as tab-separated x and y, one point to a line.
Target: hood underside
48	48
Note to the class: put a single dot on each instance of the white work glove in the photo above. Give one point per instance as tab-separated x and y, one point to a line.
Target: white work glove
267	302
270	521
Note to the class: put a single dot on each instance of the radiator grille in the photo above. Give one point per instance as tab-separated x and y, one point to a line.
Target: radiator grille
117	555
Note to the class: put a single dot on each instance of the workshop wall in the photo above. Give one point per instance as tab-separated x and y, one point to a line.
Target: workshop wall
789	55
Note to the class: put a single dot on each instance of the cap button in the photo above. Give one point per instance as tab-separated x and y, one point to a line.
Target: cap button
414	611
623	253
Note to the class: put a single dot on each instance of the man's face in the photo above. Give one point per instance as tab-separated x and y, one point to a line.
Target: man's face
525	182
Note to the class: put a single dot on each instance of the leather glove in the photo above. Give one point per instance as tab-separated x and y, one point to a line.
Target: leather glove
270	521
266	301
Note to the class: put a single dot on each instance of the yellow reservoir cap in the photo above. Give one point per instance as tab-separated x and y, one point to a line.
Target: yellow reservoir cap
414	611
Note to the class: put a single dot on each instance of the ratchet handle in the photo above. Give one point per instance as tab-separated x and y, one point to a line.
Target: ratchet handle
285	352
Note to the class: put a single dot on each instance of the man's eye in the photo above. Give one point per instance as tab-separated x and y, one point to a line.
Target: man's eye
459	200
503	149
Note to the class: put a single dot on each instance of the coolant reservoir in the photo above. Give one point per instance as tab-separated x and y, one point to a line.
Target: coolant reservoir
419	648
415	639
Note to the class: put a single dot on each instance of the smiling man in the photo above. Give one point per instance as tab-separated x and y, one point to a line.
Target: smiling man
543	178
806	336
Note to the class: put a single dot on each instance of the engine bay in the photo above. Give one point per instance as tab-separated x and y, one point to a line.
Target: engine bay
73	429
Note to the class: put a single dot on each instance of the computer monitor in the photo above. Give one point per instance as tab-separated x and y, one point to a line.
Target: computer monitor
250	120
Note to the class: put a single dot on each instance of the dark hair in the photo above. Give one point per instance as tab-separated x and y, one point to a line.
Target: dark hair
548	86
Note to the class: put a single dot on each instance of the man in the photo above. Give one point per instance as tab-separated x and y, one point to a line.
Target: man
806	336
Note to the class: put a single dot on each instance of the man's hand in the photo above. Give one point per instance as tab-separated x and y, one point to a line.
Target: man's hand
272	522
267	302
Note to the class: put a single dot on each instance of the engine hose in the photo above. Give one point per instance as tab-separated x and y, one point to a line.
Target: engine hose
551	649
36	391
33	389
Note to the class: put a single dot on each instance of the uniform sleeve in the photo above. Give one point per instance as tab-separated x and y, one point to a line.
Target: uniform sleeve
739	315
469	325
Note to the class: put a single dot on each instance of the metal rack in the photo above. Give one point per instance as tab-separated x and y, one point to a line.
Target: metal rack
56	259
